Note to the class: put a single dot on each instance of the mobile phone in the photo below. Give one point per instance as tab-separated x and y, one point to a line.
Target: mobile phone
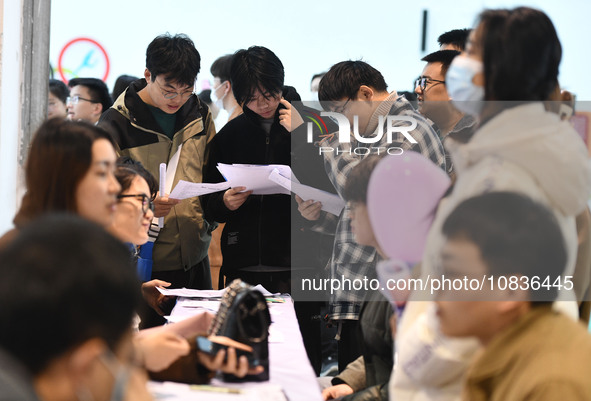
212	344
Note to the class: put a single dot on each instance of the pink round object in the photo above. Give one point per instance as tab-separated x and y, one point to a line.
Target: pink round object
402	199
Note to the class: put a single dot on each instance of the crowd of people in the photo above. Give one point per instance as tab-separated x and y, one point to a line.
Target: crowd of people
95	237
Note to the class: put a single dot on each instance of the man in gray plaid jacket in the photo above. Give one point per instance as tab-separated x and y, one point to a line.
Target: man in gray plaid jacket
379	122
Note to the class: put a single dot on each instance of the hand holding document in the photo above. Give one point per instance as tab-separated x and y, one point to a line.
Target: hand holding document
185	189
254	177
331	203
261	180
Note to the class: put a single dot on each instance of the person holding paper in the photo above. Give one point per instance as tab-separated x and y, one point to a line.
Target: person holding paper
160	120
256	239
357	93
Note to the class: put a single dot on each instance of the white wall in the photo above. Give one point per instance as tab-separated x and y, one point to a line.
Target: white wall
308	36
10	110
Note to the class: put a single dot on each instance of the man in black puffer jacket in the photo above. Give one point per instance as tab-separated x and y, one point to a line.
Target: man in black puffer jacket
256	241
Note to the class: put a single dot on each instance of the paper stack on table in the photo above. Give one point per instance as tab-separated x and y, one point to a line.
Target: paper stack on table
192	293
217	391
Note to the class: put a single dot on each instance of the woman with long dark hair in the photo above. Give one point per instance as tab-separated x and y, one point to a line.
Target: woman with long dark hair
509	69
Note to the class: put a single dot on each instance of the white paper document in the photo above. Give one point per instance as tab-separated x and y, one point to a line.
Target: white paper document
185	189
217	390
254	177
331	203
191	293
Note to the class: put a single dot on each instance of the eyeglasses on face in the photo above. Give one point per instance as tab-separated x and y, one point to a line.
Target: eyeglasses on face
342	108
171	95
422	82
147	203
75	99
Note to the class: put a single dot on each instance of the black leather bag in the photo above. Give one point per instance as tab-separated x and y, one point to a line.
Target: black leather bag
244	317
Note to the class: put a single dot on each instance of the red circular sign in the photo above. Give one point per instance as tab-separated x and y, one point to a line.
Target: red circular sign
92	42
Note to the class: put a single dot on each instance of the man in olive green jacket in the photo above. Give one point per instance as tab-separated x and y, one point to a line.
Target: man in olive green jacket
153	120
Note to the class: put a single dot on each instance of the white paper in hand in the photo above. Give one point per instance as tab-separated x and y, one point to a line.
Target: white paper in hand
185	189
331	203
254	177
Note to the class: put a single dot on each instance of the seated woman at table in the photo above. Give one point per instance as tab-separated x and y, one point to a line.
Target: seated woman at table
71	168
131	222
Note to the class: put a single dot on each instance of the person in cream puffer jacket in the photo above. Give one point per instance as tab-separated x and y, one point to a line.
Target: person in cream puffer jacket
523	149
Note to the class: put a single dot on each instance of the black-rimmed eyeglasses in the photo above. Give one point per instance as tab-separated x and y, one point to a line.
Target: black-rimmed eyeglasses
341	109
147	203
171	95
75	99
422	82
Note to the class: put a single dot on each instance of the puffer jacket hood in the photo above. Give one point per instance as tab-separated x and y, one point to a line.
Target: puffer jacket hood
540	143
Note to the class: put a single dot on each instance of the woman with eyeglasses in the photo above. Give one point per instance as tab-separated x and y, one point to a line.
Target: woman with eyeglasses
135	210
71	168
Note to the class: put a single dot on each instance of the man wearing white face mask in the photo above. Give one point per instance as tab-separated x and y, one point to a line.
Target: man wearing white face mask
221	93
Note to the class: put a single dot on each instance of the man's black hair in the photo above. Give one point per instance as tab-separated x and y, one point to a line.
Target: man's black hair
64	281
445	57
175	57
205	96
521	54
97	89
256	68
344	79
320	75
221	67
515	236
455	37
358	179
59	90
121	84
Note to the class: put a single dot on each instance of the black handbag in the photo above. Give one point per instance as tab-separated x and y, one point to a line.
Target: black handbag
244	317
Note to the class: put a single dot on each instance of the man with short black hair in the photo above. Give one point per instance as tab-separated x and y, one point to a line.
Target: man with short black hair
255	242
434	101
89	98
454	40
157	118
57	99
530	352
432	94
68	294
221	93
359	92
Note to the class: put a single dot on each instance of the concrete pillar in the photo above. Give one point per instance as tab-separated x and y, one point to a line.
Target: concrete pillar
24	71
